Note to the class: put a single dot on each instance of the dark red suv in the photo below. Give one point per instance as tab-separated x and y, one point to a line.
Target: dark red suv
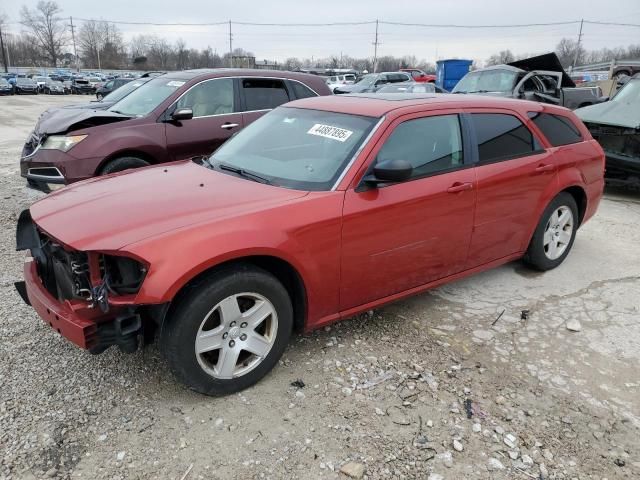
174	116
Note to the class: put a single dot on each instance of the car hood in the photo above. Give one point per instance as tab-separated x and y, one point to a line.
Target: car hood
61	120
616	113
354	88
111	212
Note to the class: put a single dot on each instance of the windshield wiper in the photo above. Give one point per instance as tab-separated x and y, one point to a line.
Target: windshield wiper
243	173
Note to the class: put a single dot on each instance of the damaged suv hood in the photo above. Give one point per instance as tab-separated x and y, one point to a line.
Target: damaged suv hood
62	120
111	212
614	113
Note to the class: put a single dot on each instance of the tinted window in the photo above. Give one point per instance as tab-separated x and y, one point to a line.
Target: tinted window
430	144
263	94
211	97
399	77
301	91
558	130
501	137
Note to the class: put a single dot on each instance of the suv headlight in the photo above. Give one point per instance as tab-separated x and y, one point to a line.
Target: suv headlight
62	142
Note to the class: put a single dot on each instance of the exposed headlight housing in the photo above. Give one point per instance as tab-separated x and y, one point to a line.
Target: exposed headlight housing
124	275
62	142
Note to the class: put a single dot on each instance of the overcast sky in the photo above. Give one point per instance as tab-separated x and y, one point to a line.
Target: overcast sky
425	43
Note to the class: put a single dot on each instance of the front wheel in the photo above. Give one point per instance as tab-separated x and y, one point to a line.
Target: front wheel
123	163
228	331
555	233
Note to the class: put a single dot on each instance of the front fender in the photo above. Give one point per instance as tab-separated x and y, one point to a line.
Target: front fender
305	234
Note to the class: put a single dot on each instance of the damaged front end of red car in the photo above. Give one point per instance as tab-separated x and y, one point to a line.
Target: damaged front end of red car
87	297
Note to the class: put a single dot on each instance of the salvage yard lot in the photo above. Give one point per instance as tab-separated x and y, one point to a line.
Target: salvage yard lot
391	390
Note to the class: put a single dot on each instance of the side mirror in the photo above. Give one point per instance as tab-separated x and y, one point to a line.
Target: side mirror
390	171
182	114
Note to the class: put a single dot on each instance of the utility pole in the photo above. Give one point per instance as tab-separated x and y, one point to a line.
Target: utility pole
73	36
375	50
575	59
230	46
4	52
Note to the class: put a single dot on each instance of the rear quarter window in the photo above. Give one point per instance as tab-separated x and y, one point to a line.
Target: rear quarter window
559	130
300	90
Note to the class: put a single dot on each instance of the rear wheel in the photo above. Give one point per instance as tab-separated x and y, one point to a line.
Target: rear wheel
555	233
123	163
228	331
99	96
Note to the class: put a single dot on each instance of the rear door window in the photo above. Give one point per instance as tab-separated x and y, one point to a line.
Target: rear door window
501	137
263	94
559	130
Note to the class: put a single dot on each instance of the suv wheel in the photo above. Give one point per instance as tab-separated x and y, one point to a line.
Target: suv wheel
228	331
123	163
554	235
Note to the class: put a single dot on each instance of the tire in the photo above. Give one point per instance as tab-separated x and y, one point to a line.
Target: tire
99	97
123	163
621	73
554	235
198	312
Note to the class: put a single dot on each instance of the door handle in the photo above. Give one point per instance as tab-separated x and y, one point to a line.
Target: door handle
460	187
545	168
229	126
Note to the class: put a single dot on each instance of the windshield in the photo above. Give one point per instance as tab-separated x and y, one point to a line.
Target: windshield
146	98
296	148
122	91
3	82
39	79
367	80
487	81
630	93
25	81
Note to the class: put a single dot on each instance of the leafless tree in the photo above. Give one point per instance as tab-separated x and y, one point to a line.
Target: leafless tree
101	45
45	27
505	56
566	51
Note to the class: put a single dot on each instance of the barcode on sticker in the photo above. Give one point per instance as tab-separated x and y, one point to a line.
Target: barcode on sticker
327	131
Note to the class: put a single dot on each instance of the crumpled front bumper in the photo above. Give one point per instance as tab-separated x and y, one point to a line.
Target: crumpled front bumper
62	317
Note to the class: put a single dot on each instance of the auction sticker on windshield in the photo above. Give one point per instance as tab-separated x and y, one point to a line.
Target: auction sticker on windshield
175	83
327	131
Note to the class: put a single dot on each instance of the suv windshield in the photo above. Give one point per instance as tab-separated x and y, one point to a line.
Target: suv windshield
146	98
367	80
25	81
630	93
487	81
123	91
295	148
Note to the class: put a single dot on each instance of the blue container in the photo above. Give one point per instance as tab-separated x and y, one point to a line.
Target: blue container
449	72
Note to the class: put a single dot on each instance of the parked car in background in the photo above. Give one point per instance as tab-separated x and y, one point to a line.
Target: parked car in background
223	258
39	80
616	125
110	86
170	117
52	87
411	87
95	82
419	75
335	81
24	85
540	79
620	69
5	87
82	86
108	100
67	84
373	81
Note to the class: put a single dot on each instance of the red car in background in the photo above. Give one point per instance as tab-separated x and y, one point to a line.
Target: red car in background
319	210
419	76
171	117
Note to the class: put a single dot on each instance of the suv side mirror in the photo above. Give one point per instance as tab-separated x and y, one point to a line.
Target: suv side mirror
182	114
390	171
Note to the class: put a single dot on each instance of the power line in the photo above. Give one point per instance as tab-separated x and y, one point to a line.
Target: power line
520	25
121	22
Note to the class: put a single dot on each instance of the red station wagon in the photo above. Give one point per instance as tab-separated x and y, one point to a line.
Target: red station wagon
171	117
321	209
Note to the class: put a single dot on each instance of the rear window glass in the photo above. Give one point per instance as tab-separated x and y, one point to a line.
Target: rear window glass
559	130
501	136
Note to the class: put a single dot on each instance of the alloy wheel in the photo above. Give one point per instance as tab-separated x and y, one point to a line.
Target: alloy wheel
558	233
236	335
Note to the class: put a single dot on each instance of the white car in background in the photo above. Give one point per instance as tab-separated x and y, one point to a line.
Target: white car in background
335	81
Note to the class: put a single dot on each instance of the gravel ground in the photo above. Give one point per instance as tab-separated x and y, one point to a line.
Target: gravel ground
432	387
